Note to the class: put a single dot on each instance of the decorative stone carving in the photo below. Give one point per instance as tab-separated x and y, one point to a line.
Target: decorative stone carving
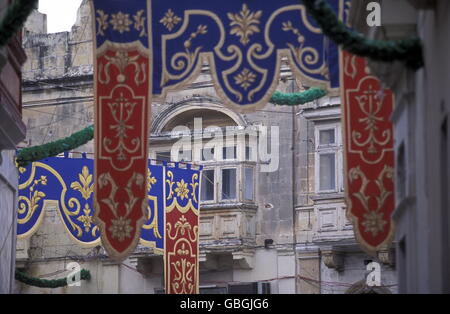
333	259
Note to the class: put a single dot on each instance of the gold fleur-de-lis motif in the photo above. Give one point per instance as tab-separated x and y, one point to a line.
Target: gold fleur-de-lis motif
102	20
86	219
245	79
182	189
120	22
139	23
170	20
244	24
183	251
85	186
150	180
121	228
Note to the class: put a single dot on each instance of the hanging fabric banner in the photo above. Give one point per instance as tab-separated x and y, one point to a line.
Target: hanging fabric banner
243	42
67	185
181	258
369	154
122	78
152	232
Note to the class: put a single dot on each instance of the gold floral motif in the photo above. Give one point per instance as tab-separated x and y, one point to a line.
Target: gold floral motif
244	24
102	20
170	20
120	22
122	60
121	228
86	219
182	189
183	251
150	180
139	23
245	79
85	186
374	222
32	201
182	225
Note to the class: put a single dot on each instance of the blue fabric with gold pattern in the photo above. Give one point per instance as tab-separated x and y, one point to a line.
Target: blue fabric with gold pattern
66	184
243	42
125	25
152	232
182	185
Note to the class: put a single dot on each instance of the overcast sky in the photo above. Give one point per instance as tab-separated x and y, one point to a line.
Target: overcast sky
61	14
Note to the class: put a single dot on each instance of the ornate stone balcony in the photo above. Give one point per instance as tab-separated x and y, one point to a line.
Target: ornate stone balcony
227	230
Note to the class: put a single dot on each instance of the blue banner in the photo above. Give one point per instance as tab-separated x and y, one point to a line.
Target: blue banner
67	185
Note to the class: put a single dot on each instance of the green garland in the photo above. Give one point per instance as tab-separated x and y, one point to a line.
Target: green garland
293	99
15	17
44	283
408	50
30	154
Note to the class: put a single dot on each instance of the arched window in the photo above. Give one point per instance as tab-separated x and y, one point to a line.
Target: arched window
216	138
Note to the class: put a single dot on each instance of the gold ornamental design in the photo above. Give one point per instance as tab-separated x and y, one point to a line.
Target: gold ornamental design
121	22
244	24
121	228
373	219
182	189
85	185
122	110
170	20
245	79
31	203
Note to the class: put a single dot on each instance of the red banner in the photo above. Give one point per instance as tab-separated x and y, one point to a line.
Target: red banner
181	239
368	153
121	147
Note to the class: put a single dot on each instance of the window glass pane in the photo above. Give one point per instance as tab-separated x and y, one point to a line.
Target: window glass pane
229	152
228	184
208	154
163	156
327	172
207	193
249	154
248	179
185	156
326	137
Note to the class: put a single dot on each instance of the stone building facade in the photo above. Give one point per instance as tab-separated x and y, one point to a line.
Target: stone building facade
422	146
281	231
